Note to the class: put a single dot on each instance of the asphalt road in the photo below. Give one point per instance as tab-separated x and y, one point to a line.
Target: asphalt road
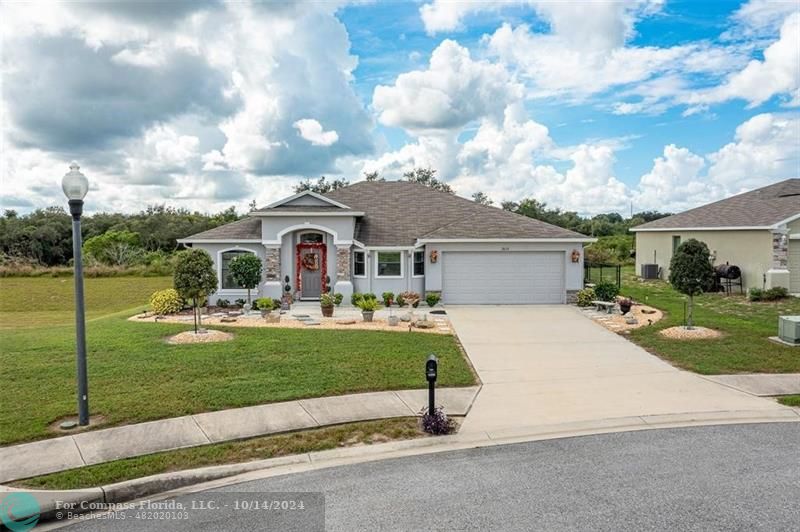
734	477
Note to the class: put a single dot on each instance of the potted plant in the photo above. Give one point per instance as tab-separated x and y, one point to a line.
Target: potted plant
392	320
265	305
625	305
368	307
387	297
326	302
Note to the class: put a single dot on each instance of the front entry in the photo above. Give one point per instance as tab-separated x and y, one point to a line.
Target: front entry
311	269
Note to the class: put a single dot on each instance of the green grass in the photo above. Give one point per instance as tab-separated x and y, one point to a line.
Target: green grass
790	400
135	376
227	453
744	346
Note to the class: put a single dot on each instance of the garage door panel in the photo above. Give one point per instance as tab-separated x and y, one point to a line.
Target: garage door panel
794	266
503	277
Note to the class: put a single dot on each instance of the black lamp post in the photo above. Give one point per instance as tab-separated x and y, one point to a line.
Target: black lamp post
75	186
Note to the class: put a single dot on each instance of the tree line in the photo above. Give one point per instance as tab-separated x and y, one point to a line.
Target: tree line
44	236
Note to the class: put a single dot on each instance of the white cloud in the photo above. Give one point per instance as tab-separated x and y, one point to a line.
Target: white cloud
674	181
453	91
312	131
765	148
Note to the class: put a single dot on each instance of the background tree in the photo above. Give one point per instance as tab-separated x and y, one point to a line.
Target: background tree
194	277
483	199
427	177
373	176
322	186
690	272
511	206
115	248
246	271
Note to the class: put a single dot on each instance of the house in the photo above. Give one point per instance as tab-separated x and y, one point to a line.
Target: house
393	236
758	231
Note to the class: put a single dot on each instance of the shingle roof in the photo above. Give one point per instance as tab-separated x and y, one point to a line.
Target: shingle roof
762	207
245	229
304	208
397	213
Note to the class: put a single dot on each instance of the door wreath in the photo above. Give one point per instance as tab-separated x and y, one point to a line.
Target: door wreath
311	261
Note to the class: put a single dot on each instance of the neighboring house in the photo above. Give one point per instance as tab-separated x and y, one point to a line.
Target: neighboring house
758	231
395	236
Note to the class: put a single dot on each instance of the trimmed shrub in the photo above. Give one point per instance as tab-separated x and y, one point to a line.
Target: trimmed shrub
223	303
337	299
755	294
371	296
606	291
166	302
432	298
387	297
585	297
355	298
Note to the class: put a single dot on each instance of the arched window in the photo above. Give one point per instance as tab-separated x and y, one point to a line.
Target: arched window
227	281
311	238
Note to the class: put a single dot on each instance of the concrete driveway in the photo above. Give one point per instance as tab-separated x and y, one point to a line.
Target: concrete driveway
543	365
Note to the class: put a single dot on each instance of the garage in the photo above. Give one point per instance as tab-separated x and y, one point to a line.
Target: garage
794	266
498	277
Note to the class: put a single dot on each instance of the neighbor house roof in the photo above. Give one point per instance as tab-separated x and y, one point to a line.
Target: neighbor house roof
398	213
238	231
762	208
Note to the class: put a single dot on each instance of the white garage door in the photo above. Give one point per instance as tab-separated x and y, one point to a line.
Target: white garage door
794	266
488	277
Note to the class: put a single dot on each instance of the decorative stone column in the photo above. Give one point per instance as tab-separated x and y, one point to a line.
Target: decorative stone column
272	286
778	274
343	284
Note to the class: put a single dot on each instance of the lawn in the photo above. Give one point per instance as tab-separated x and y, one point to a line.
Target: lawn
790	400
229	452
744	346
135	376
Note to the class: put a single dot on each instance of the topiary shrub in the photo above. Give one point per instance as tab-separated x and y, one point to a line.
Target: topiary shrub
387	297
585	297
606	291
355	298
691	273
166	302
337	299
432	298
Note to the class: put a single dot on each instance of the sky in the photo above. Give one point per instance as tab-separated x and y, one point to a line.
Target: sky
589	106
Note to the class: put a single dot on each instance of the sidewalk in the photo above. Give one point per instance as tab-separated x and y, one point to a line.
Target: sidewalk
761	384
95	447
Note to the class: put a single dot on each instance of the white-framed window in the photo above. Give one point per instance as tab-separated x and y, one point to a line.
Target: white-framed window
389	264
226	279
419	263
359	264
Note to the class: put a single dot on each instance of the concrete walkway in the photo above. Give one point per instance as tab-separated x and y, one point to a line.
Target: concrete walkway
98	446
761	384
545	365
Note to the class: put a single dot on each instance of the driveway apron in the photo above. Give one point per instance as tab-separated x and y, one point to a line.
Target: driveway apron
548	364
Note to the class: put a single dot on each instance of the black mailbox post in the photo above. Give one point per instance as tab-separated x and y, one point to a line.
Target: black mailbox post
431	372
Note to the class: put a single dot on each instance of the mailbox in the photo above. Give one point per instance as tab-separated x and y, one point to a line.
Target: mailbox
431	368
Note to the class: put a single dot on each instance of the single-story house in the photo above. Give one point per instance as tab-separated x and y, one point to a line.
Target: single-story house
758	231
379	236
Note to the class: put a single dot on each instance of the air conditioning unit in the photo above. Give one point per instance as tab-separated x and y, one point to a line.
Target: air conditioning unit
789	329
649	271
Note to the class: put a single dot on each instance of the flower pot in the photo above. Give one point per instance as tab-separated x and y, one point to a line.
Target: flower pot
265	313
247	307
367	315
625	306
393	320
327	311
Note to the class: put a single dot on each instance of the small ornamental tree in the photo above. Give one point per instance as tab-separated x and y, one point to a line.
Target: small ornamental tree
194	277
246	271
690	272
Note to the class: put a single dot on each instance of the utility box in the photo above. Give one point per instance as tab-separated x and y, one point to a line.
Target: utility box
789	329
649	271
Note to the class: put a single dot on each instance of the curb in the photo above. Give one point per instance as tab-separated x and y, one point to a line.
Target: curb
166	485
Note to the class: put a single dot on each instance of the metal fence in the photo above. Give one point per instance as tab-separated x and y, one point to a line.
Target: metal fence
595	272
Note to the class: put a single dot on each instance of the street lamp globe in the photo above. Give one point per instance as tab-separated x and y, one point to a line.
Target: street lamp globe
75	184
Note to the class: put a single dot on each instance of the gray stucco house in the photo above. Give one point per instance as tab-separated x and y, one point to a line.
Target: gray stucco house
377	236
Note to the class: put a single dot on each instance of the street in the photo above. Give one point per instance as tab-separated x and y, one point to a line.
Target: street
732	477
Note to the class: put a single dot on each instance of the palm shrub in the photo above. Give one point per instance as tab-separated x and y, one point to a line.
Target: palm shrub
690	272
368	305
166	301
265	304
194	277
246	271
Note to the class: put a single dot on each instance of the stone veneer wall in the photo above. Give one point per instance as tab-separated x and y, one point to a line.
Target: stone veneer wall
572	296
780	251
273	264
343	263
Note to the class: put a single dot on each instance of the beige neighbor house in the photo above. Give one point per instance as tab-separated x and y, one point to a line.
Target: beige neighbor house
395	236
758	231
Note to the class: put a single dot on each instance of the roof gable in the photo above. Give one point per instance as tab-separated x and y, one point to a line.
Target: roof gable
762	208
306	198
